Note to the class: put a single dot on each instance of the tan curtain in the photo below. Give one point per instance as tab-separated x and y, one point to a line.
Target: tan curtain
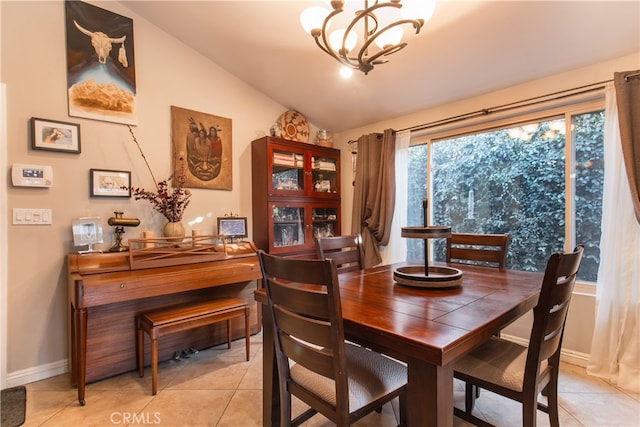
374	193
628	99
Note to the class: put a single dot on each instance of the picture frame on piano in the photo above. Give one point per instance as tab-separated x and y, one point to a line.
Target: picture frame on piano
233	228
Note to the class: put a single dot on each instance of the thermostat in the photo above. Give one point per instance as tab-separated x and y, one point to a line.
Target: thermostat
31	175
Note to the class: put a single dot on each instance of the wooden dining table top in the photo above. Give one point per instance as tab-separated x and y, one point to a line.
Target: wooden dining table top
426	328
437	325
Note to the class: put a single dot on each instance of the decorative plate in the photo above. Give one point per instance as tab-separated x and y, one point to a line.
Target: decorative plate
294	126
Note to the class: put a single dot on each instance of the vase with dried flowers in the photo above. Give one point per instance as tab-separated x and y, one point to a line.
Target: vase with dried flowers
170	200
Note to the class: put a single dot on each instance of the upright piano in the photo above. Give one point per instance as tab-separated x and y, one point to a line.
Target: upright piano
107	290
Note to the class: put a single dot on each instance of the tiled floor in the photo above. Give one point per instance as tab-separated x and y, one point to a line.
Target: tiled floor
217	387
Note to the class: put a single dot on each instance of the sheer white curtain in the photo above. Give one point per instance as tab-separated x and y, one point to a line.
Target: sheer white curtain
396	251
615	353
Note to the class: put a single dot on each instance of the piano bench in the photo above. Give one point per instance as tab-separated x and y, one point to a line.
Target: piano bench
183	317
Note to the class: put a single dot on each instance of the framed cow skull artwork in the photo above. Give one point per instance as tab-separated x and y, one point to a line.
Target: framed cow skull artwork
101	71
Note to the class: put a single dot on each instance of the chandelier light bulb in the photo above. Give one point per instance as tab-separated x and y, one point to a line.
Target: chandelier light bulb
335	39
391	37
418	9
346	72
312	18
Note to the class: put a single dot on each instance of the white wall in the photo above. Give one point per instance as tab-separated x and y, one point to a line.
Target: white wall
167	73
581	318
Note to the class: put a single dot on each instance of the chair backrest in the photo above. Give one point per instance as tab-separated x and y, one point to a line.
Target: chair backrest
484	249
550	315
346	251
304	302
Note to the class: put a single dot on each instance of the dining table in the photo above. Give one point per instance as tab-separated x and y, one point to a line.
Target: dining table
426	327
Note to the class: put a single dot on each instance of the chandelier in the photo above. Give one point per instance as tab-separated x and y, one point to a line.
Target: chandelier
374	31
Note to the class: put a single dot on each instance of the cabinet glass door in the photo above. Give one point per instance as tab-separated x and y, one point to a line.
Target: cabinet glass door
288	226
324	175
287	172
325	221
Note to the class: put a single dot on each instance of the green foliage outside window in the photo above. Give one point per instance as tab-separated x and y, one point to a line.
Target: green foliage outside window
507	182
589	179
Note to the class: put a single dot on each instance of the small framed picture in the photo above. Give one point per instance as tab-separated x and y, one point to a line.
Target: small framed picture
233	227
109	183
87	231
55	136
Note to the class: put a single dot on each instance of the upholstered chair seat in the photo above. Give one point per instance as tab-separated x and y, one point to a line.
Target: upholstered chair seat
371	377
498	361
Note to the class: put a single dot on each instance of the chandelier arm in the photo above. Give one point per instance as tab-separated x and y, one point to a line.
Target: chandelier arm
417	23
379	5
373	60
367	13
325	45
342	55
339	56
325	49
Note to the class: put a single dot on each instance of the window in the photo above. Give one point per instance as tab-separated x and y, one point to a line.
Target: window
539	180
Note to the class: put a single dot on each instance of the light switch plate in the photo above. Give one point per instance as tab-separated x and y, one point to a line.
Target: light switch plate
23	216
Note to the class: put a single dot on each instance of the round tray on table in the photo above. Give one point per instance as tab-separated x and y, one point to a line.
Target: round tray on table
438	277
425	276
426	232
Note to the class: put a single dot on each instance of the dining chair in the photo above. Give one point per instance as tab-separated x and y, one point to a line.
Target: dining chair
484	249
519	372
341	381
346	251
481	249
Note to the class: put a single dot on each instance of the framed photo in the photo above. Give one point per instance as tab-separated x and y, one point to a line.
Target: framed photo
233	227
55	136
109	183
87	231
202	144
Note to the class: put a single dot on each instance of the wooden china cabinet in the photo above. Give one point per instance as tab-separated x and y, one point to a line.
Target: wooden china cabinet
296	195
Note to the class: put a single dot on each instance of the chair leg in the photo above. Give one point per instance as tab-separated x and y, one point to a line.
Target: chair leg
529	410
552	402
285	409
403	408
470	396
228	333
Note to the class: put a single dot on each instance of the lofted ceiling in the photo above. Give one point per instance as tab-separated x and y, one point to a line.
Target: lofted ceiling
468	48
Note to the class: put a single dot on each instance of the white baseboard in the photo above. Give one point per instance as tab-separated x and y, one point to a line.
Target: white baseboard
37	373
569	356
574	358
